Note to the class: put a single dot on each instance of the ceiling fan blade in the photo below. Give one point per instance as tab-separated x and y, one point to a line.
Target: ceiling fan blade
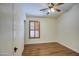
60	3
52	4
43	9
58	10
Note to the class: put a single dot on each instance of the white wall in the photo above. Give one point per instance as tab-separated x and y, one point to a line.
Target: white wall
6	29
47	30
68	29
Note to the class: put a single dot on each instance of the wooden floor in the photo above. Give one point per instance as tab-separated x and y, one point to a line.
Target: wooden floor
47	49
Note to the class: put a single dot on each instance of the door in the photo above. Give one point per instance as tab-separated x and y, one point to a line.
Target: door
11	29
6	29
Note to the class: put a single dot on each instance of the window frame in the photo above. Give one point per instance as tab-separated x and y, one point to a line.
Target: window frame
34	29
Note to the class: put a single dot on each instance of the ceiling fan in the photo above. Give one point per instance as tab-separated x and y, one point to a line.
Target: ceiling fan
52	7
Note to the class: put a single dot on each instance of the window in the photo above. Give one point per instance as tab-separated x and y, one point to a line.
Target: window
34	29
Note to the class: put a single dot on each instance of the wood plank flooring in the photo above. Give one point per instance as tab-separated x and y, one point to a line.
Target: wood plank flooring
48	49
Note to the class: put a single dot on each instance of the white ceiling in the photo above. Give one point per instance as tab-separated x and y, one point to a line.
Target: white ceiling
33	9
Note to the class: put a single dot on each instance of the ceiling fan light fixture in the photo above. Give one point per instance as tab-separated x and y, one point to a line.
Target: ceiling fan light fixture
52	9
49	10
